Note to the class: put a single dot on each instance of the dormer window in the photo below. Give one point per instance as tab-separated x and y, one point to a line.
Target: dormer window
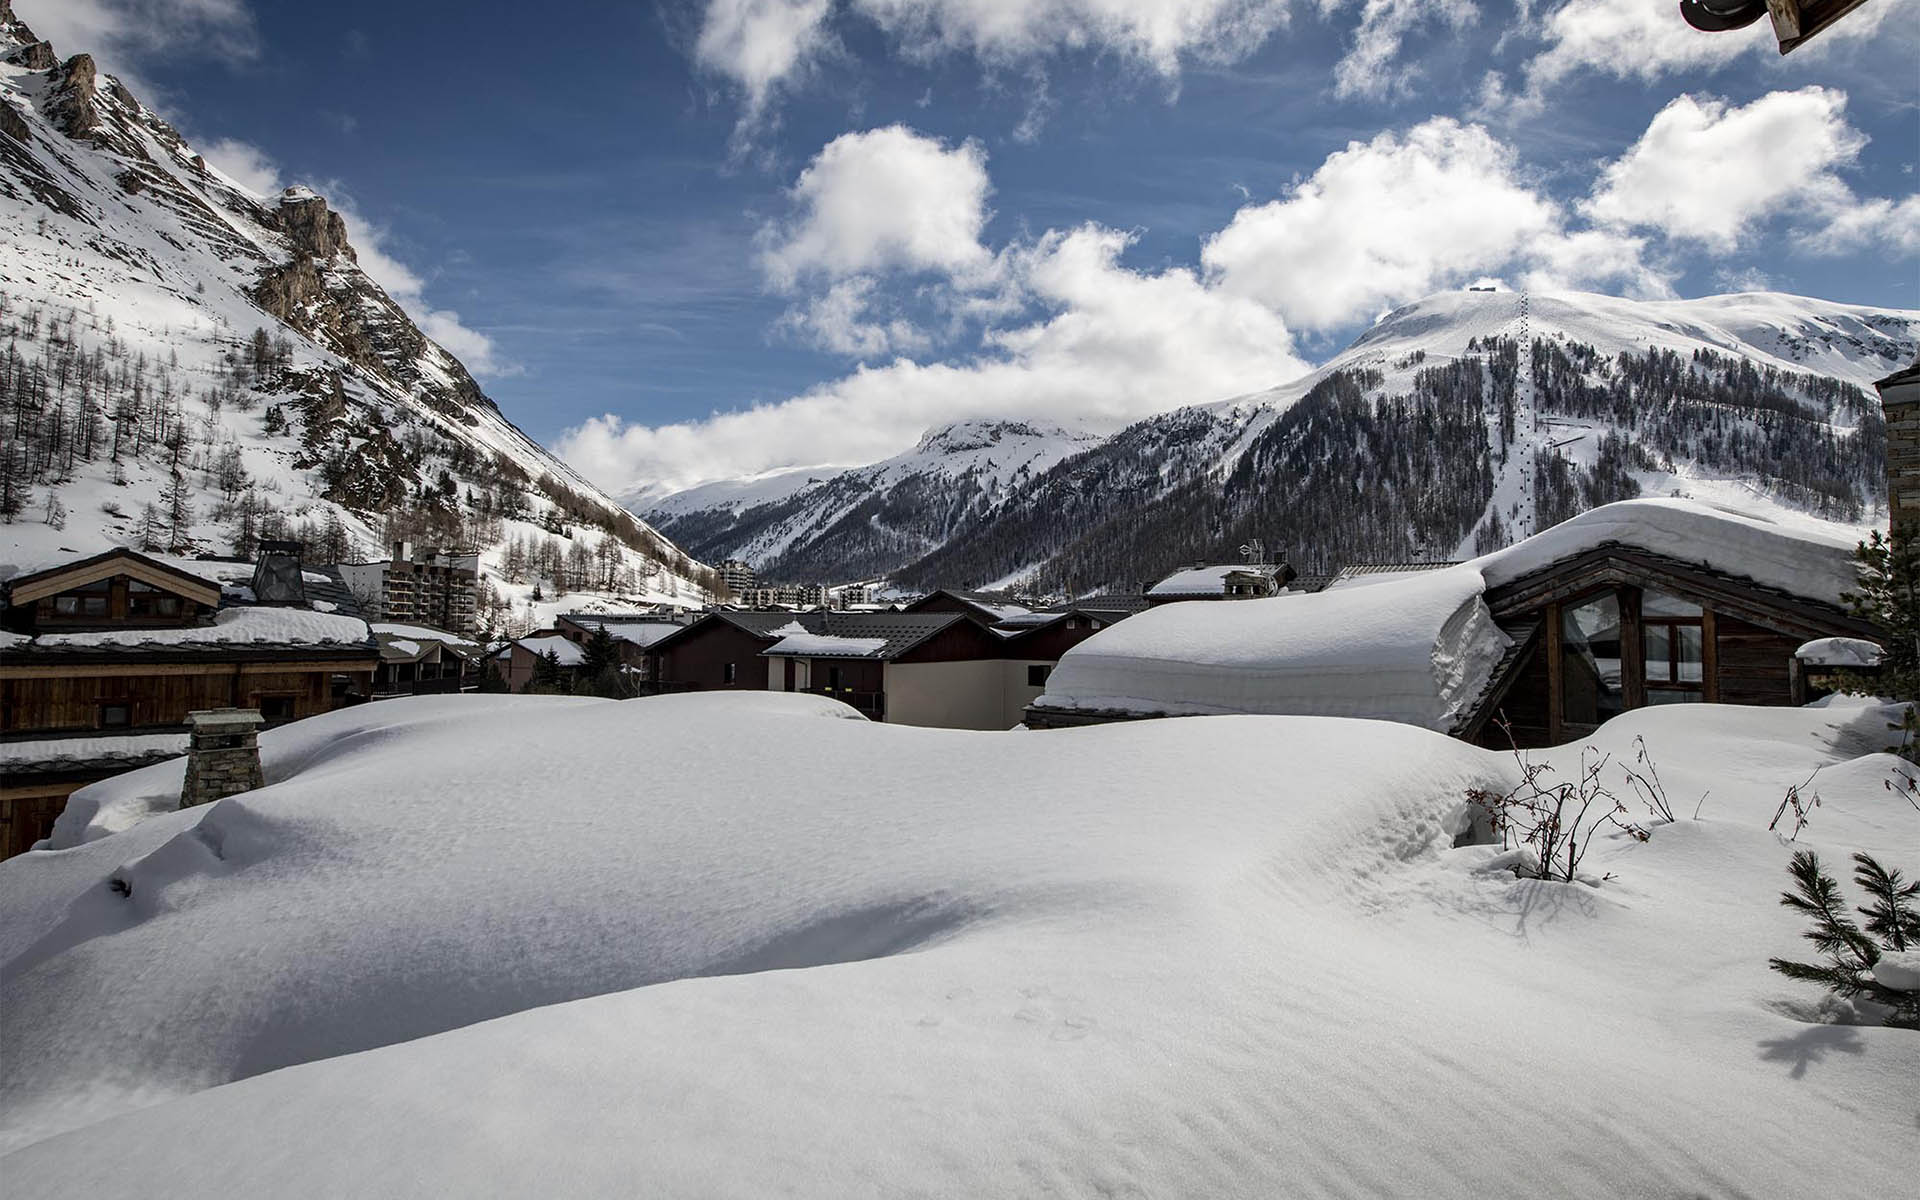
145	600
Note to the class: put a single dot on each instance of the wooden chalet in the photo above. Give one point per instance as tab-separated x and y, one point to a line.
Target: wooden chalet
103	657
1619	628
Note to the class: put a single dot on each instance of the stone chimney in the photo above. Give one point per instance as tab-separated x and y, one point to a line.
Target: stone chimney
223	755
1900	399
276	576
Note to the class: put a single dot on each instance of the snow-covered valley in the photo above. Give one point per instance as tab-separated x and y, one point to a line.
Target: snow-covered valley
499	945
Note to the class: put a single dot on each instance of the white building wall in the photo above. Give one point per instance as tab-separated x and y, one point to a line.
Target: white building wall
948	695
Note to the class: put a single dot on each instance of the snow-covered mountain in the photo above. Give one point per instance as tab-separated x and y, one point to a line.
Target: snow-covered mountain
853	524
190	366
1455	424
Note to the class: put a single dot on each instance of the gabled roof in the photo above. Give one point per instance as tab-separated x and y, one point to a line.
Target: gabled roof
857	635
45	581
989	606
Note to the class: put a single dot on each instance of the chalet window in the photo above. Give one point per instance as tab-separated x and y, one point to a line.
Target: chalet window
727	673
1675	644
116	714
145	600
834	683
88	601
1037	675
276	708
1590	661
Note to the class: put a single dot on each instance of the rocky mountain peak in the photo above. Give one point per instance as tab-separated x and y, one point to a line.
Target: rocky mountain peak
311	227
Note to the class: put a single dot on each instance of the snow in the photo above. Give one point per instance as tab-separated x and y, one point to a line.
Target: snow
1840	652
425	633
1197	581
567	651
1415	649
231	626
825	645
92	749
518	945
1799	560
1899	970
1413	646
638	633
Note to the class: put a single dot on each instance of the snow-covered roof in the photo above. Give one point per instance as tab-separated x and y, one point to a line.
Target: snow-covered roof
638	633
425	633
1207	581
1841	652
67	753
826	645
243	625
1416	649
568	652
1804	561
1412	645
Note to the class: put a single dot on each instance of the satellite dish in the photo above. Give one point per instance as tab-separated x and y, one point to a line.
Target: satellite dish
1717	16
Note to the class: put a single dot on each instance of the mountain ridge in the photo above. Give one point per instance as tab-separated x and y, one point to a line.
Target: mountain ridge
180	344
1818	354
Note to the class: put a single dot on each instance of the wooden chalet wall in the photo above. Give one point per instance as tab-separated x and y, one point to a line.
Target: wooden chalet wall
64	698
697	659
1753	665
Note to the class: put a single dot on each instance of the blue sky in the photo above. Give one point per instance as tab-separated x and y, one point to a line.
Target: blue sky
706	238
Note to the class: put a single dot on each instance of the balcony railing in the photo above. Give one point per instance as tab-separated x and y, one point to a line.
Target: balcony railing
873	705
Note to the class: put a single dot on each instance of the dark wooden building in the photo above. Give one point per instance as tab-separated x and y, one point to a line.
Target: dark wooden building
102	658
1620	628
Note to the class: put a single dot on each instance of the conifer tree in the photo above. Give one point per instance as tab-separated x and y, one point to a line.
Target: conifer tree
1848	953
1889	596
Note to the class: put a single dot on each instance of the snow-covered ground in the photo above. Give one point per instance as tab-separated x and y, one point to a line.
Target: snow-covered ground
729	945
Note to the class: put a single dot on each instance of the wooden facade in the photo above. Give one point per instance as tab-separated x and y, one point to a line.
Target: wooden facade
56	695
1617	629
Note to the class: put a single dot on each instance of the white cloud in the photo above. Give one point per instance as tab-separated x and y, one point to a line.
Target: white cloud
245	164
760	44
763	46
1367	69
1893	224
885	199
1646	40
1157	33
121	31
840	322
1110	345
1706	172
1398	217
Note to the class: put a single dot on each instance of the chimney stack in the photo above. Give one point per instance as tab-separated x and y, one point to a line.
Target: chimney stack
223	755
276	576
1900	399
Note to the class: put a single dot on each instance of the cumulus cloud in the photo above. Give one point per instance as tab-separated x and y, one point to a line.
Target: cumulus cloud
842	322
1705	171
1105	345
1400	216
883	199
244	163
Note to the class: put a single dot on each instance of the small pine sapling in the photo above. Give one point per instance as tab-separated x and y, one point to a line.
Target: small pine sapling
1849	953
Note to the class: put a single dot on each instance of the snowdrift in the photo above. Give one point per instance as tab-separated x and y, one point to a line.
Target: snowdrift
718	945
